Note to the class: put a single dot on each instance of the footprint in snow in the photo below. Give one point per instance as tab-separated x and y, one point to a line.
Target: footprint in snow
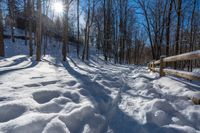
11	111
49	82
3	99
45	96
84	92
51	107
32	85
16	87
71	83
40	77
73	96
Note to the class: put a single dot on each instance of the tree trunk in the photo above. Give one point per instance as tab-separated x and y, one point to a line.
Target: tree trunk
39	30
65	32
178	30
178	27
168	28
30	5
26	20
11	7
104	33
2	53
142	4
78	31
191	32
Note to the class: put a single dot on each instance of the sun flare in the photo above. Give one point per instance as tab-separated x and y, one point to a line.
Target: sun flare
58	7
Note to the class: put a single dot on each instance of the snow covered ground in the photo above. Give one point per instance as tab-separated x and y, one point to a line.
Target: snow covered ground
61	97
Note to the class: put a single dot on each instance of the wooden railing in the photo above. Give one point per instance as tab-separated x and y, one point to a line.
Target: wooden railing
182	57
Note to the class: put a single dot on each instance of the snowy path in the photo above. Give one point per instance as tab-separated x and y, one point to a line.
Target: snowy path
75	97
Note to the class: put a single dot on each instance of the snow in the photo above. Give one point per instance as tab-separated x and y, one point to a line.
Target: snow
61	97
196	70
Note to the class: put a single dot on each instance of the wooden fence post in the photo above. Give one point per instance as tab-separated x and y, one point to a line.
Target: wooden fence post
162	66
153	66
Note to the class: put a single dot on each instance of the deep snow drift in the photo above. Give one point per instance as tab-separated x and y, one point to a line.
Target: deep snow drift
60	97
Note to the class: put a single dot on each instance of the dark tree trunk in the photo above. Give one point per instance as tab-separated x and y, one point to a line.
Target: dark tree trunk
178	27
2	53
12	8
78	31
191	32
168	28
30	5
39	31
178	30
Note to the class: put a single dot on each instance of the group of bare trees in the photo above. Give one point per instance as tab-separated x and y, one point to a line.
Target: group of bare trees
113	23
14	10
170	25
173	27
126	31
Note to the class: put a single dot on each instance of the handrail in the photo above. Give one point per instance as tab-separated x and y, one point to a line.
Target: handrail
186	56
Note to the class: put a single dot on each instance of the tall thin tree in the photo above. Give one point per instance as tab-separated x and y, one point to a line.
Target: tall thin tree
78	31
30	25
2	53
168	25
39	30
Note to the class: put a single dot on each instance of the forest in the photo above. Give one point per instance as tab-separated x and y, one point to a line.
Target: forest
126	31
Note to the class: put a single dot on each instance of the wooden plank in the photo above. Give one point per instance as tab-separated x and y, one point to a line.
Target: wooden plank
162	65
157	62
183	74
181	57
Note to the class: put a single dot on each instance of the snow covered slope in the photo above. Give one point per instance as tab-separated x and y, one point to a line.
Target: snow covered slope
94	97
52	96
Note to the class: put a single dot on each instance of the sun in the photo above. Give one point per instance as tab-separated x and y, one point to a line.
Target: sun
58	7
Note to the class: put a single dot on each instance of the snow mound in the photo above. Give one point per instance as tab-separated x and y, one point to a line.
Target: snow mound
56	126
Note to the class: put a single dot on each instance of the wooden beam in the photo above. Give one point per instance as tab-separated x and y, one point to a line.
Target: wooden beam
183	74
182	57
157	62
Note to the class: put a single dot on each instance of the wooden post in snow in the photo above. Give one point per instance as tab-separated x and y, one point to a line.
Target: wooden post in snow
153	66
162	65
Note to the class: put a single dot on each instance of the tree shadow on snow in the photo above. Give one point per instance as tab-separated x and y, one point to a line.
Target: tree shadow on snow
122	123
30	64
100	95
117	120
16	61
194	86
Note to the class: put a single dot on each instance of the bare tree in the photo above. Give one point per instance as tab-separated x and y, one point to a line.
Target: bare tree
192	31
30	25
12	10
2	53
89	22
168	25
65	47
39	30
178	26
78	25
65	31
143	6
